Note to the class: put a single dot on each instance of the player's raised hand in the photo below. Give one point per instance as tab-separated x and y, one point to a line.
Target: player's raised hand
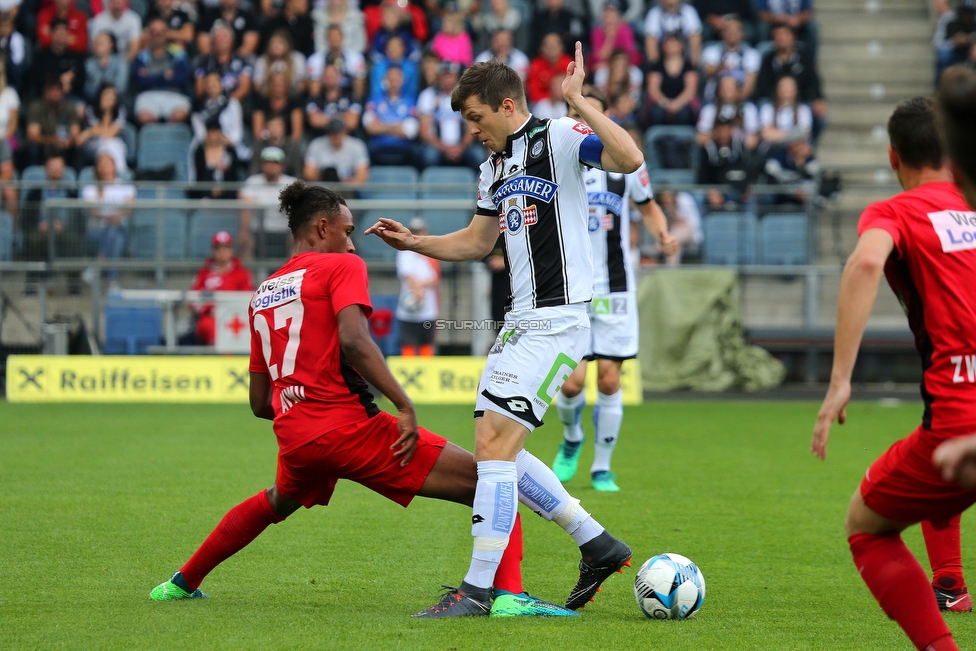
575	76
393	233
669	245
406	445
956	458
834	408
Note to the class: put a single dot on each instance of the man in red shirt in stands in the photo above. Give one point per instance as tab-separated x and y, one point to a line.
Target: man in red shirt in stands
77	25
552	61
222	272
311	356
924	241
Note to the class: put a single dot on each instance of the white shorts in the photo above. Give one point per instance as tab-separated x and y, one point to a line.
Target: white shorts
614	329
533	355
161	103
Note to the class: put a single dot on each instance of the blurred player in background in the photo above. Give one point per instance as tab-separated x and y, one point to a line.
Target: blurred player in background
924	241
532	191
613	311
311	356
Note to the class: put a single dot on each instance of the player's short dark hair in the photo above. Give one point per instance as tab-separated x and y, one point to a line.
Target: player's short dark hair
956	117
913	134
303	202
491	82
594	92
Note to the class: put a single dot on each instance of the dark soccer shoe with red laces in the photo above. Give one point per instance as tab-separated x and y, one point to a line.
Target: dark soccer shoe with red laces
602	556
466	601
953	601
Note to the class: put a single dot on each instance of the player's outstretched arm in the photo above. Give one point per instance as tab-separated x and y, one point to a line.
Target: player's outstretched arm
657	225
858	291
361	351
471	243
957	460
620	152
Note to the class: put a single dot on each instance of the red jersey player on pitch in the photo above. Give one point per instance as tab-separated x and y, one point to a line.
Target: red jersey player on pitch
924	241
311	355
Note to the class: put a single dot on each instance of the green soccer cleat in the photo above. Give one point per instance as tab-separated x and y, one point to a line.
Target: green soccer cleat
566	460
603	481
170	591
507	604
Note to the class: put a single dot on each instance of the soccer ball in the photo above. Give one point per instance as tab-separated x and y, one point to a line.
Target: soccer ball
669	586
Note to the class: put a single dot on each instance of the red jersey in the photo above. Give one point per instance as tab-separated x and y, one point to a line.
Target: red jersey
236	279
295	341
933	272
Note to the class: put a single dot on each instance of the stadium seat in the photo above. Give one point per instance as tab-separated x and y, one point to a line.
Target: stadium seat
131	327
6	236
392	174
161	145
730	238
784	238
130	137
153	192
463	184
371	247
203	225
143	228
683	133
672	177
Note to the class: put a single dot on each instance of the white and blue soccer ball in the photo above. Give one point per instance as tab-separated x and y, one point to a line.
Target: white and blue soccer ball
669	586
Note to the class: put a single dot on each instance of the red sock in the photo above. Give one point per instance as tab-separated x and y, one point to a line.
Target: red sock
240	526
900	585
945	555
508	577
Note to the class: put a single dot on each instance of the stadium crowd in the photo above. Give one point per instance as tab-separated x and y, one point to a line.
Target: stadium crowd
323	89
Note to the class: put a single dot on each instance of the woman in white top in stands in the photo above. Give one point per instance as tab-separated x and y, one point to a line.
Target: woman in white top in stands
104	121
108	224
785	117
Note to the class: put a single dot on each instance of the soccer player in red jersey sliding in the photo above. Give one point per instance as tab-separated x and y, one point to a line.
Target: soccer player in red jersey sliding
924	241
311	356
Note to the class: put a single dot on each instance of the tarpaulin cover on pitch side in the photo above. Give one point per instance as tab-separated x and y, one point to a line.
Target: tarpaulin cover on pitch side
691	334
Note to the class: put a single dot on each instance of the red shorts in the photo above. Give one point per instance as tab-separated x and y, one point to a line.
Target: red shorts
361	453
904	485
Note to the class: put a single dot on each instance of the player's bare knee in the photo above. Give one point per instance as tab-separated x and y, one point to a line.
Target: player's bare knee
281	505
608	378
498	437
571	388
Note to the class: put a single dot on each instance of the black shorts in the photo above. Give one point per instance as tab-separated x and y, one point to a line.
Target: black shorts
414	333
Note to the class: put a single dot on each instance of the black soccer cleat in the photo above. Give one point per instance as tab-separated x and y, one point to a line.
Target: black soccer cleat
602	556
953	601
466	601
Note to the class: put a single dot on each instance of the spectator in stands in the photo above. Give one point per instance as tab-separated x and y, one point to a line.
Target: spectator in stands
959	35
392	124
498	15
222	272
243	26
337	157
280	57
672	87
180	30
502	48
124	24
724	162
104	66
350	64
785	117
75	18
622	109
444	137
216	105
332	102
552	106
420	279
296	21
430	65
793	164
391	16
347	18
51	122
108	224
552	61
452	43
730	106
395	22
786	60
160	75
263	189
9	193
59	61
612	35
715	13
619	76
672	17
275	128
395	57
235	72
52	219
552	17
275	99
9	111
798	14
13	49
731	57
214	161
104	121
684	222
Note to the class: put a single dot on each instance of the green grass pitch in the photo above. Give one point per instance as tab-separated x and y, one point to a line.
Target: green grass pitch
100	503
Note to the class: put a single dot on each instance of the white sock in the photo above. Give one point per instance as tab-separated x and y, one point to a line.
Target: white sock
540	490
495	507
607	416
569	410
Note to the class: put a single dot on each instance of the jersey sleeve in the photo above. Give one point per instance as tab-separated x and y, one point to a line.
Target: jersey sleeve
576	139
486	207
882	215
257	363
639	186
349	284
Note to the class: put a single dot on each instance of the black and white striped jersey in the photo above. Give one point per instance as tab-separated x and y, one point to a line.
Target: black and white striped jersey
609	195
535	189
